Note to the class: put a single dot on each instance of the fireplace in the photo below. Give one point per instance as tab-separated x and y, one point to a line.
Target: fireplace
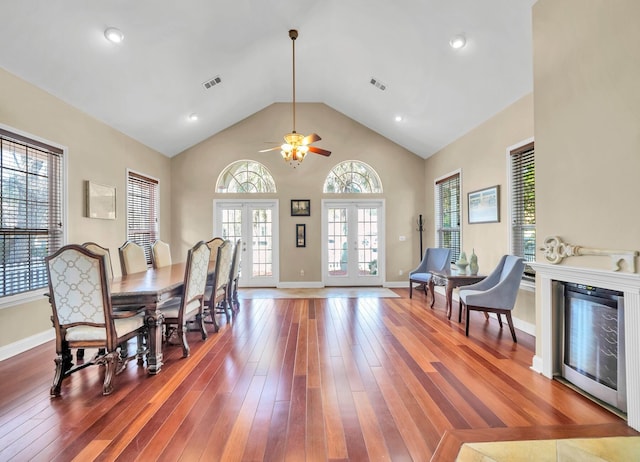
593	353
550	327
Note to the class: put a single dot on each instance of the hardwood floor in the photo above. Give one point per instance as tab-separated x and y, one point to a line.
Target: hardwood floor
301	379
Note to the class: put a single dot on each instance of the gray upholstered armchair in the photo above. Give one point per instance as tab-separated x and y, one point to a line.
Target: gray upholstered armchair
495	294
434	259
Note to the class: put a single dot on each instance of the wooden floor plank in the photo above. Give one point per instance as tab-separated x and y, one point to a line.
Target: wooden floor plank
302	379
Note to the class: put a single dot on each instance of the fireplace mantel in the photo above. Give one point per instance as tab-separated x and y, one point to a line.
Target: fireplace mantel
547	347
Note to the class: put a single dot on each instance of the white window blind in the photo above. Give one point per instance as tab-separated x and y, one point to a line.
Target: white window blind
448	213
142	211
523	204
31	194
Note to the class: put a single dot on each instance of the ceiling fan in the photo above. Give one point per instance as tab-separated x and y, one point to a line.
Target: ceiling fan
296	145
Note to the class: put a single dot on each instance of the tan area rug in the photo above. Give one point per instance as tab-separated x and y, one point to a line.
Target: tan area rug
612	449
327	292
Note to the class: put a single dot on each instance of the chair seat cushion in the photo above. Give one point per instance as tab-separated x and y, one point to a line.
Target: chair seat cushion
484	299
420	277
171	309
123	326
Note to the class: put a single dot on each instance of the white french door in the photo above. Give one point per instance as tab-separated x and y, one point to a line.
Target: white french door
256	223
353	242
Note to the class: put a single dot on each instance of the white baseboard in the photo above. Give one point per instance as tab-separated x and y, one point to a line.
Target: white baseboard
300	285
396	284
25	344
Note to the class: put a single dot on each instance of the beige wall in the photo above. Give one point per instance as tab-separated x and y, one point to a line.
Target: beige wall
587	124
96	152
195	171
481	155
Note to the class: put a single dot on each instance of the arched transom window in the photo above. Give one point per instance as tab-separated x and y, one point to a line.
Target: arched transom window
352	176
245	176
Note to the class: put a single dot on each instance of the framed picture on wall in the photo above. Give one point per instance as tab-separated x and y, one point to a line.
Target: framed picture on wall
300	207
484	205
101	201
301	235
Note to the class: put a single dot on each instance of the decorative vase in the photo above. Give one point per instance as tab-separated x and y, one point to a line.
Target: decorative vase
473	263
462	261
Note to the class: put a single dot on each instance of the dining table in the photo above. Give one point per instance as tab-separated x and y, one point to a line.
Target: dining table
150	289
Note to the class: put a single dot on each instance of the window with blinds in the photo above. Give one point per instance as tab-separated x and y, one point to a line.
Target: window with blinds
448	213
142	211
31	224
523	205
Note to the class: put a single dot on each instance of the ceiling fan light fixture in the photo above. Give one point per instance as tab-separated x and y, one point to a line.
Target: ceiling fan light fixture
296	146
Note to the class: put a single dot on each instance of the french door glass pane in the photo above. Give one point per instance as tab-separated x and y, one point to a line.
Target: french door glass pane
368	241
337	241
262	222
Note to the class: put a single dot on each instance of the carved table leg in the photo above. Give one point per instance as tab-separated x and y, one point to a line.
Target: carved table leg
449	298
154	356
433	292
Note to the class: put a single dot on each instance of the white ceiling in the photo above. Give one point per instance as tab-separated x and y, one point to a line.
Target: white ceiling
148	85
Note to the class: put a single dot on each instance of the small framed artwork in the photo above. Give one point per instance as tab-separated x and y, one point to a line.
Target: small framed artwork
101	201
301	235
484	205
300	207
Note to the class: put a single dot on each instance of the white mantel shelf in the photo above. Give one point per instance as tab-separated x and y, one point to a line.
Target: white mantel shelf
545	360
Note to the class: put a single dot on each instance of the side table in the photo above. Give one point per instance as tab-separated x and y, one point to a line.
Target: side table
452	279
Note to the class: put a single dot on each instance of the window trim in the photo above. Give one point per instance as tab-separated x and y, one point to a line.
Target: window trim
158	217
514	149
38	294
437	181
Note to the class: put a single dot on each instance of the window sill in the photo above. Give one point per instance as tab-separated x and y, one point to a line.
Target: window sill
20	299
528	284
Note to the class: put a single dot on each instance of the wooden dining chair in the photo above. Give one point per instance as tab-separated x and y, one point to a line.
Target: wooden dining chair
132	258
234	275
83	316
98	249
216	295
190	305
160	254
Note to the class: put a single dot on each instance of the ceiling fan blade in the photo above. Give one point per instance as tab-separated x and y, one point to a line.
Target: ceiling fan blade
270	149
320	151
311	139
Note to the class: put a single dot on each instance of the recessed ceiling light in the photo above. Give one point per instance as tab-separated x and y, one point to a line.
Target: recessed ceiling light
398	118
193	117
457	42
114	35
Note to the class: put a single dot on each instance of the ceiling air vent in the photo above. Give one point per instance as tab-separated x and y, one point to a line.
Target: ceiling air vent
376	83
212	82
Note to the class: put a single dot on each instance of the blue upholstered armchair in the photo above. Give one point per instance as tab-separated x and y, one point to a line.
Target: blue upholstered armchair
434	259
495	294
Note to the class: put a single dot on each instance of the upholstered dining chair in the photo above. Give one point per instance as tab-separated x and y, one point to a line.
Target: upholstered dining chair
132	258
434	259
216	295
213	244
495	294
160	254
97	248
83	316
234	275
190	304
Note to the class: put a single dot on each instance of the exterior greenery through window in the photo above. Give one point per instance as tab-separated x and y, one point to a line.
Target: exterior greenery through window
142	211
246	176
352	176
448	214
31	213
523	204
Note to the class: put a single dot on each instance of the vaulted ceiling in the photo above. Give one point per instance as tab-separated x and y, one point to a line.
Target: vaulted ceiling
148	85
